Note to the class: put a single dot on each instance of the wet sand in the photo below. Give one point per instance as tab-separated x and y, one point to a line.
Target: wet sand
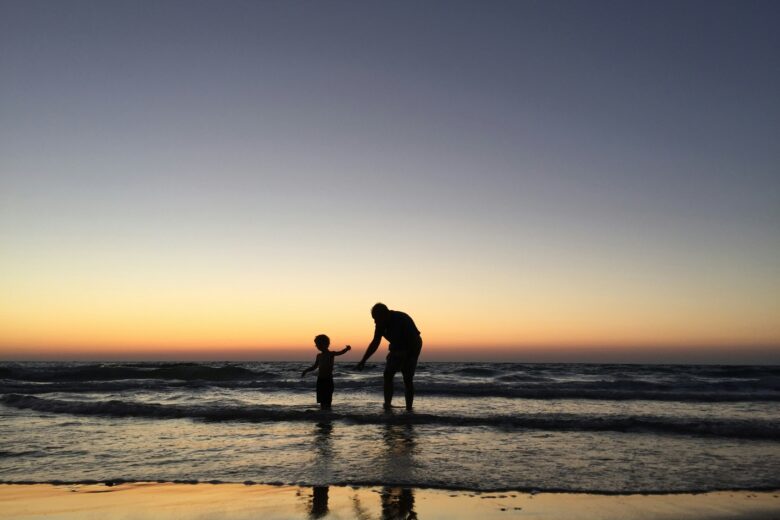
238	502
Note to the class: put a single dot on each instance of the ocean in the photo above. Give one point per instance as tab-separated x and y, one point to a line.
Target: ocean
476	426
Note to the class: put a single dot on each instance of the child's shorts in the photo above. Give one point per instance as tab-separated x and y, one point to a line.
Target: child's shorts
324	390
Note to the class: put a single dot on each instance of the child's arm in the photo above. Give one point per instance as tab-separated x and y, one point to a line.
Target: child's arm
343	351
315	365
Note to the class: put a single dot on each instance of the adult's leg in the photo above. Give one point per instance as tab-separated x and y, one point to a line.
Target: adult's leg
408	388
392	366
388	388
407	370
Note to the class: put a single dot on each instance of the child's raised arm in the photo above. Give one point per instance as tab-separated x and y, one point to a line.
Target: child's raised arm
343	351
315	365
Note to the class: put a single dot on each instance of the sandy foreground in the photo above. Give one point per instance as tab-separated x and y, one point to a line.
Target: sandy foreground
140	501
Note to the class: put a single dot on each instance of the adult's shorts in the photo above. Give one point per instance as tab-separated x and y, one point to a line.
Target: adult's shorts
403	360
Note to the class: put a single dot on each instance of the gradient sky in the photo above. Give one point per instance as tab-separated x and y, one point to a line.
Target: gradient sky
529	180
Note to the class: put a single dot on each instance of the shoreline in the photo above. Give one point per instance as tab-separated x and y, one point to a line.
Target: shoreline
371	484
238	501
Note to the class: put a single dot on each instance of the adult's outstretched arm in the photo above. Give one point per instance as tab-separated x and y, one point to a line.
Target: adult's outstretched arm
370	350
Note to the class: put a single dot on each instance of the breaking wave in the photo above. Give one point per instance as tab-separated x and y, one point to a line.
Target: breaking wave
510	380
747	429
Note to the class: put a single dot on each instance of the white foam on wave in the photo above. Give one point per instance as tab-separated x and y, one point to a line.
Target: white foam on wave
697	426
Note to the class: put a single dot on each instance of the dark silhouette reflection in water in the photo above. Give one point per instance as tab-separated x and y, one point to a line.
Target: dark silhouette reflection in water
398	460
323	448
323	443
401	443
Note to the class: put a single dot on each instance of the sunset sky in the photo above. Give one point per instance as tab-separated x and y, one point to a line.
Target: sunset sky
571	181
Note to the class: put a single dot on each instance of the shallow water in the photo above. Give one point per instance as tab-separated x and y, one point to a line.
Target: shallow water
613	428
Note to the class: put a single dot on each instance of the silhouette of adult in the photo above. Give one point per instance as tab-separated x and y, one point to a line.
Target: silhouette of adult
405	346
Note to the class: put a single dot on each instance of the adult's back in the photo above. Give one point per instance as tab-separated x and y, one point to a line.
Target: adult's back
400	331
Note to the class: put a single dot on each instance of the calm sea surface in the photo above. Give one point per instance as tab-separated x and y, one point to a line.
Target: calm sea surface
481	426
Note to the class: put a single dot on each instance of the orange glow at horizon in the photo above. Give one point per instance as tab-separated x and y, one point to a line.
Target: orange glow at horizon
114	301
173	327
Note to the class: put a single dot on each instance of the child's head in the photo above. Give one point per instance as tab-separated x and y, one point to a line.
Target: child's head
322	342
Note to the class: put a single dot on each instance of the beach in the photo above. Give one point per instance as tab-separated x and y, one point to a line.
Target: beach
143	501
486	440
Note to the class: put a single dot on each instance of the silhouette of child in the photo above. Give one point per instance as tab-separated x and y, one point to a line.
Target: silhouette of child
324	362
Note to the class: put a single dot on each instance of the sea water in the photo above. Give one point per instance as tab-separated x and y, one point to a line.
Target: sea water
478	426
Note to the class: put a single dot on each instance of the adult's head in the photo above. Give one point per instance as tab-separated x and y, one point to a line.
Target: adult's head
380	312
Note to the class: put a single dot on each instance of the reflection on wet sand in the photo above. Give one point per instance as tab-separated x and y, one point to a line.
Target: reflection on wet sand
150	501
397	504
319	502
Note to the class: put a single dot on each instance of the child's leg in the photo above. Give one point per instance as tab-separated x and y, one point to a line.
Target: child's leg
321	391
327	393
